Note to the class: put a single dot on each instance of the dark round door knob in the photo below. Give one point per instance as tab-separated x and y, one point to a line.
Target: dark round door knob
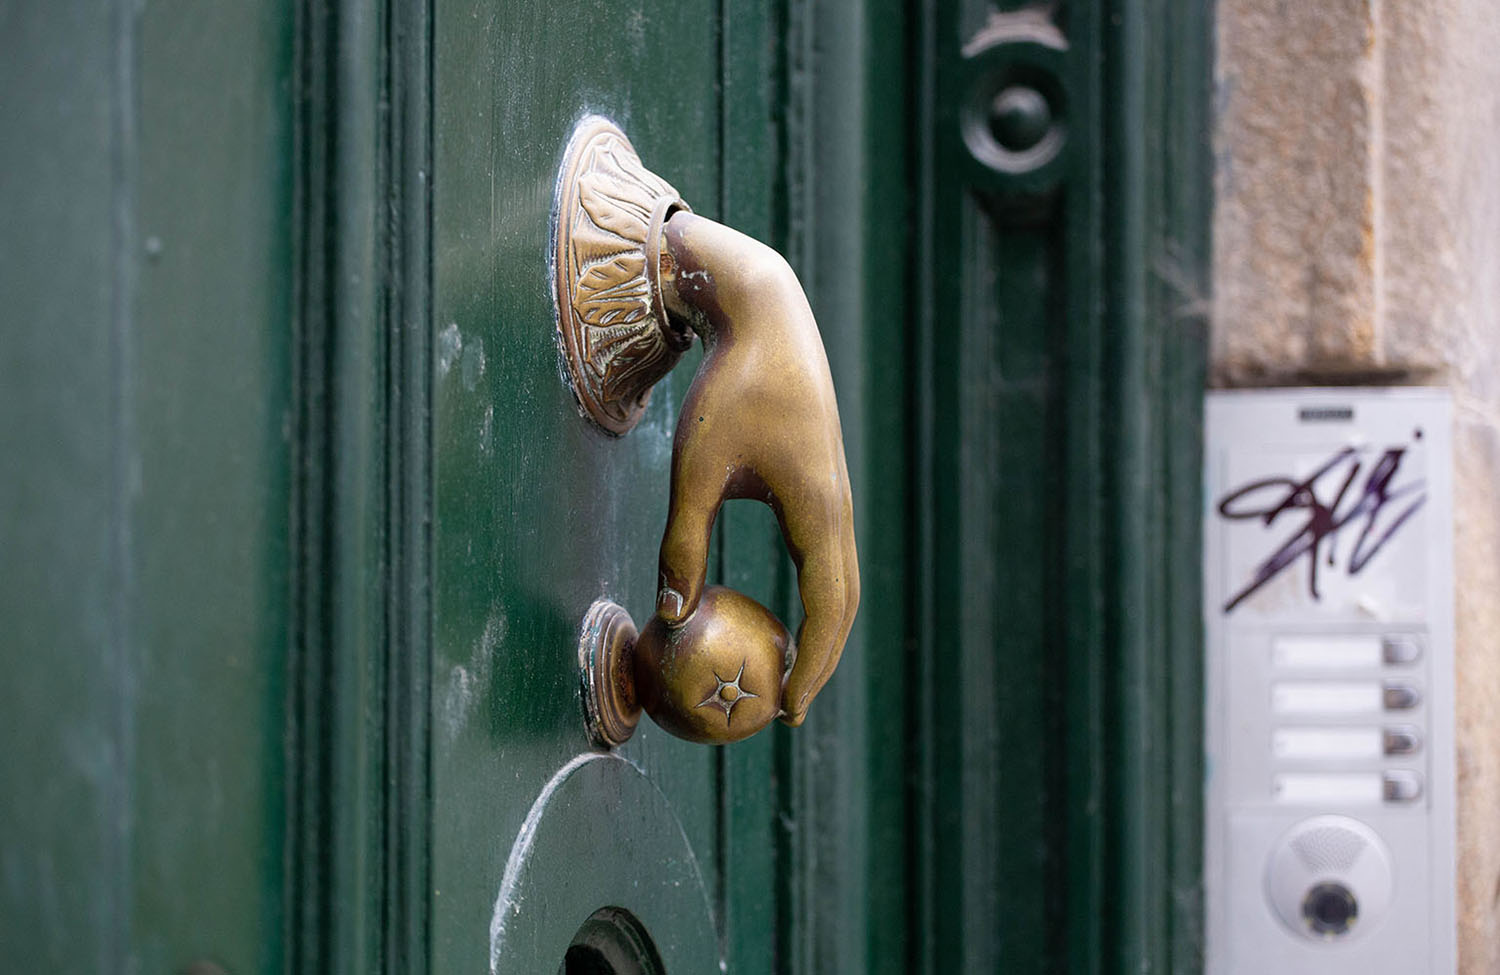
1020	118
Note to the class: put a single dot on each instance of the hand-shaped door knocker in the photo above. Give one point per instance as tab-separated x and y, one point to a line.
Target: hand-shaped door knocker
637	274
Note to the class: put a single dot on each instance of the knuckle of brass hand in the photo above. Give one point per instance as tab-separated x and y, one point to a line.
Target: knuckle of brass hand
637	275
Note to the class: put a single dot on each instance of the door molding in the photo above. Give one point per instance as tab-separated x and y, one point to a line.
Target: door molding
1061	309
358	741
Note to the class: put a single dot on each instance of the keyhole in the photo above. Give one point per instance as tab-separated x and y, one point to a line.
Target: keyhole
612	942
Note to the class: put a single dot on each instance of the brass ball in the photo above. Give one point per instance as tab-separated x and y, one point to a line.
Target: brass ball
717	677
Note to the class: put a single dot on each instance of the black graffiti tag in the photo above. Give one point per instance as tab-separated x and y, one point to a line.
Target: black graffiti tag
1379	507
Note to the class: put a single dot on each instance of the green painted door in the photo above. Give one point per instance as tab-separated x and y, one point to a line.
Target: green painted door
299	519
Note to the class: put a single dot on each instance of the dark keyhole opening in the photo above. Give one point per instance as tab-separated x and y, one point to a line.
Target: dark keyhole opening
612	942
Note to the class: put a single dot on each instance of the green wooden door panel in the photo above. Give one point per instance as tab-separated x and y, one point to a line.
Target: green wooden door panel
537	513
1060	308
209	393
143	514
844	774
58	811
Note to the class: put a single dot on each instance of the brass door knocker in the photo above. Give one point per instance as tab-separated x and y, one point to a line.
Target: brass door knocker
638	274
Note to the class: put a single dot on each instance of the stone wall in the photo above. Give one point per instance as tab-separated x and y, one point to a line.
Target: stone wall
1357	238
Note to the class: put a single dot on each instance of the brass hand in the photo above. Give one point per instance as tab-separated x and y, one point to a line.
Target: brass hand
759	421
635	269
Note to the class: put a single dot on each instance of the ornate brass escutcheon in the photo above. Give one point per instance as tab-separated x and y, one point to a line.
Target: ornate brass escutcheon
638	275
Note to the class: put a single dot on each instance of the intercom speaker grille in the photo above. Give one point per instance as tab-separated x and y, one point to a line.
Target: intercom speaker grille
1329	849
1329	852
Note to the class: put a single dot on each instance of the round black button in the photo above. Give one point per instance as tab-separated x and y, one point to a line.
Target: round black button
1019	118
1330	909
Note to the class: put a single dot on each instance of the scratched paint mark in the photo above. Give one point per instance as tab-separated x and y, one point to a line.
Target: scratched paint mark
487	432
450	344
635	29
467	681
520	853
508	902
473	363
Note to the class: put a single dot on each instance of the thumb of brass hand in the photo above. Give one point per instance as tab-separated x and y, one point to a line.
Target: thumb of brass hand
759	421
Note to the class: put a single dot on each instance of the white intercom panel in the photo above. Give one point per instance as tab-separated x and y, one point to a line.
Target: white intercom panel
1328	587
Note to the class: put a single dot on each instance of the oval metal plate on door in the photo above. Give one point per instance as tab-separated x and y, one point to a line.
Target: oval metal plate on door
601	835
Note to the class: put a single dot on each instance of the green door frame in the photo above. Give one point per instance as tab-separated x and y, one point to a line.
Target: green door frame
1061	315
359	805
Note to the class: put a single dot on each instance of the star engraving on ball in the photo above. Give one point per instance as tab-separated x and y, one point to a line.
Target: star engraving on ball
727	694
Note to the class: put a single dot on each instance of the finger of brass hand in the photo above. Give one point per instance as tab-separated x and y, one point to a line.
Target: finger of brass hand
760	421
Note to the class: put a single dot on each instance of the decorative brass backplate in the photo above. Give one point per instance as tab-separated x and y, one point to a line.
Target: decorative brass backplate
613	327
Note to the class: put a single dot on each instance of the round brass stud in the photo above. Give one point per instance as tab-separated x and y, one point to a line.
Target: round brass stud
606	653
